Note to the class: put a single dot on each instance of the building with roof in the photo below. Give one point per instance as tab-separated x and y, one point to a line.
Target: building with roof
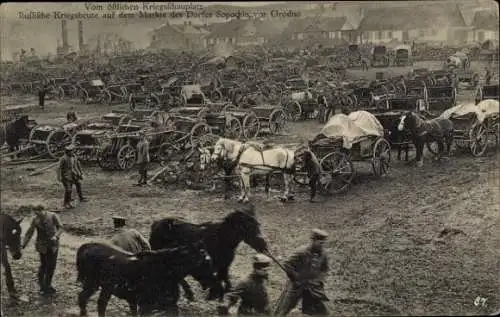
319	30
485	26
438	23
186	36
245	32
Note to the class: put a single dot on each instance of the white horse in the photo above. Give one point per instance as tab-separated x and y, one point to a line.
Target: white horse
254	158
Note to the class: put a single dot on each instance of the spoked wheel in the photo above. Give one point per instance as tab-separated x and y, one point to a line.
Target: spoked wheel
104	158
339	173
197	131
60	93
293	110
56	142
251	126
300	176
84	96
433	148
126	157
381	159
478	136
277	120
233	128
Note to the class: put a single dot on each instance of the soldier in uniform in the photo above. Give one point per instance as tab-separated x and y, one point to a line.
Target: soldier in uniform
42	91
306	269
251	291
49	229
128	239
69	173
313	169
488	76
143	158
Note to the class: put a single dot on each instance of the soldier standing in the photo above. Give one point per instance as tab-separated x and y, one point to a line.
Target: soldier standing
251	291
306	269
42	91
49	229
313	169
143	158
488	76
69	173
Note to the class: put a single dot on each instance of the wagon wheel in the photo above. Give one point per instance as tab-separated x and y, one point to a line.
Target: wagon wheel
167	151
478	136
84	96
229	107
104	158
338	172
293	110
106	97
233	128
381	157
197	131
300	176
56	142
126	157
251	126
432	147
277	121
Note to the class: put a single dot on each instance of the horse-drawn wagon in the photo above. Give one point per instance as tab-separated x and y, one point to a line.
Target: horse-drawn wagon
93	91
487	92
49	140
380	57
403	55
474	125
345	139
302	101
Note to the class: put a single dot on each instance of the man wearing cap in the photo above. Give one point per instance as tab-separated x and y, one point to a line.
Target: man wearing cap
69	173
313	169
49	229
128	239
306	270
251	291
143	158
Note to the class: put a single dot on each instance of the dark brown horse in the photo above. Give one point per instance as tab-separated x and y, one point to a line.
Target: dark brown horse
422	131
142	279
10	238
13	131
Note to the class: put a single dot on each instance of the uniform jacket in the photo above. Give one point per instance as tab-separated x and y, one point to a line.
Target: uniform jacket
47	226
143	151
130	240
253	295
69	168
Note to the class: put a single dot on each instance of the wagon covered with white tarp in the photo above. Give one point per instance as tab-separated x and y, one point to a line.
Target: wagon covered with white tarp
345	139
474	125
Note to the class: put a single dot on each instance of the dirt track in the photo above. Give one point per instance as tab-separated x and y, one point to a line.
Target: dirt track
419	241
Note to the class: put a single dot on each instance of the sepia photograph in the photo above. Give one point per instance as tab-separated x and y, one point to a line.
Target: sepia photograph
282	158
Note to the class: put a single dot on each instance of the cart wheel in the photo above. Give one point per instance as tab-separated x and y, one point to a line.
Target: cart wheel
338	173
103	158
432	147
277	121
233	128
251	126
125	119
84	96
300	176
56	142
479	139
197	131
126	157
293	110
167	151
229	107
381	157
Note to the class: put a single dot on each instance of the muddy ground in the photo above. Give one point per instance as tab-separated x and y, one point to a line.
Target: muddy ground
420	241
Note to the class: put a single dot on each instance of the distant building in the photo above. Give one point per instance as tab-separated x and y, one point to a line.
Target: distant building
319	30
248	32
485	27
185	36
439	23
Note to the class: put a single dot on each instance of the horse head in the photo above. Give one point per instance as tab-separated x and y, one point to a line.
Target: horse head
11	235
222	148
246	228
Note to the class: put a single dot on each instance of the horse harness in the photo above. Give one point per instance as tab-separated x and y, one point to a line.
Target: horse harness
245	146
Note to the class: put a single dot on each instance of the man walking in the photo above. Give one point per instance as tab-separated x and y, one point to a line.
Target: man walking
49	229
42	91
306	269
251	291
143	158
69	173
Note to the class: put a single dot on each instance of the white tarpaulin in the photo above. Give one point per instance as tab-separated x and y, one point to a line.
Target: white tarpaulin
352	128
484	109
301	96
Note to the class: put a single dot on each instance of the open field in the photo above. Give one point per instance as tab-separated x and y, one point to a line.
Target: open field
420	241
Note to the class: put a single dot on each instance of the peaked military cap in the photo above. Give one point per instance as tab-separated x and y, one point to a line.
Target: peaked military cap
261	259
318	234
119	222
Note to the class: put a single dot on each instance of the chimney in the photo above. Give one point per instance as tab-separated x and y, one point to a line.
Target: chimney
80	35
64	29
